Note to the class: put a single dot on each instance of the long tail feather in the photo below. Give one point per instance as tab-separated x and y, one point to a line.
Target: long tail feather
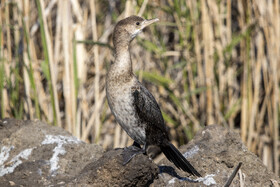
174	155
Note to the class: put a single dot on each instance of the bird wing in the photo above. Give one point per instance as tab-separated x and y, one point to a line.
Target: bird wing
148	110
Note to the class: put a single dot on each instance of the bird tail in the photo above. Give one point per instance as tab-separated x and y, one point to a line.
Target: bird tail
174	155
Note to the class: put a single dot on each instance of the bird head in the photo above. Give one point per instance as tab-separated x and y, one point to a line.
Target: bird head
127	29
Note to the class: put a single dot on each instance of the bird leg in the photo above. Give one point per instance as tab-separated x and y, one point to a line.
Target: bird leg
131	151
136	144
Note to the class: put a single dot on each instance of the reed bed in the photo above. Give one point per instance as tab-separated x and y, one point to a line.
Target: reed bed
206	62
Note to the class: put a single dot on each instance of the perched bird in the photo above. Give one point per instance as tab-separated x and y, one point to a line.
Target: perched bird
133	106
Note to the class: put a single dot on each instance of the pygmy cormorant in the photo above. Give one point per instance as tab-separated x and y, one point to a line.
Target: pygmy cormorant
133	106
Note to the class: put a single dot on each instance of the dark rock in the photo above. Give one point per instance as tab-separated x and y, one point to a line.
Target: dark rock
215	151
109	171
36	154
33	153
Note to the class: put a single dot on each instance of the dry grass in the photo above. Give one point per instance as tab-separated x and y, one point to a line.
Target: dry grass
206	62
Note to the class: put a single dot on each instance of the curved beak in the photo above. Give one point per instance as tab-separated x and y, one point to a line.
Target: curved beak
148	22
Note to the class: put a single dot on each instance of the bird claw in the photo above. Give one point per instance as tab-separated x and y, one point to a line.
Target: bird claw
130	152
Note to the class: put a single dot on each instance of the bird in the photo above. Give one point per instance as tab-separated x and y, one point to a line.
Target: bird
133	106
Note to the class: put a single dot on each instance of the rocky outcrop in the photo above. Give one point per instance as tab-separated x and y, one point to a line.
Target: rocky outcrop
109	171
215	152
36	154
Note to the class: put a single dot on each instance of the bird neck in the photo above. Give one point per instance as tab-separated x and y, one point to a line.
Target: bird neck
122	61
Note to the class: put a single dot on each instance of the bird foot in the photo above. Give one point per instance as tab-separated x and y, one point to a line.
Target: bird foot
130	152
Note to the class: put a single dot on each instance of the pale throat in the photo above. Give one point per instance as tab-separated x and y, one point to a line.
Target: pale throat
122	59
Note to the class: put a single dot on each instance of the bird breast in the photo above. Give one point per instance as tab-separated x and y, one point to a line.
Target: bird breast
120	101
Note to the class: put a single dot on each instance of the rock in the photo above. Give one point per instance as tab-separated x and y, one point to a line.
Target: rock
215	151
33	153
109	171
37	154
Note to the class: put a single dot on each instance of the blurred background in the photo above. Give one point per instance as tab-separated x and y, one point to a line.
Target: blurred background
206	62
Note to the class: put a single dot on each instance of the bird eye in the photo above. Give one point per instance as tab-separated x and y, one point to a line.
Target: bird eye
137	23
